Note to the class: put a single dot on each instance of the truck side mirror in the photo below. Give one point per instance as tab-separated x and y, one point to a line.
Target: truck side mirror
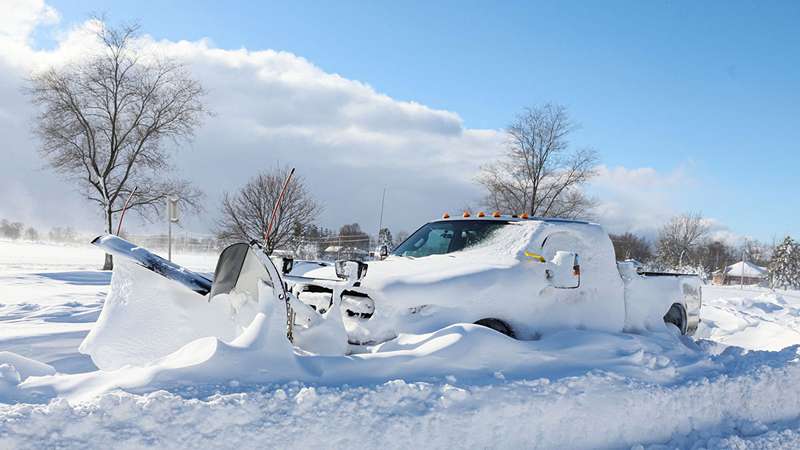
351	270
383	251
564	271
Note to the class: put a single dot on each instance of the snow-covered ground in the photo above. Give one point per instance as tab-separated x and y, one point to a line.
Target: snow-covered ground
733	386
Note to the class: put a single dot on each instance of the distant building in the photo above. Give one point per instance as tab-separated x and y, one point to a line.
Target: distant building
340	252
743	272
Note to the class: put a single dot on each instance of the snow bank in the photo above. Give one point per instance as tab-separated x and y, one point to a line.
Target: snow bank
463	383
752	317
599	409
171	335
146	316
262	354
13	370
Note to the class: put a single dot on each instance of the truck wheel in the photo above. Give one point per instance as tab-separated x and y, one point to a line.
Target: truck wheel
497	325
677	316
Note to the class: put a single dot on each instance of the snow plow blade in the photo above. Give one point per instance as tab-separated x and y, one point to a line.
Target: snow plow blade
239	269
117	246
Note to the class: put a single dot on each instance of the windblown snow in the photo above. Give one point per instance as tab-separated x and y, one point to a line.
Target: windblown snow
731	386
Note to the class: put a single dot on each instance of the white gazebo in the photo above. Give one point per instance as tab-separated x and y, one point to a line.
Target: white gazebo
743	272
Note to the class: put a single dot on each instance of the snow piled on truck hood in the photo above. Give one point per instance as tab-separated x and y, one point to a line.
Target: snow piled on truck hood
502	249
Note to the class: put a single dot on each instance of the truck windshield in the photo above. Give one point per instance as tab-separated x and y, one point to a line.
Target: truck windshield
438	238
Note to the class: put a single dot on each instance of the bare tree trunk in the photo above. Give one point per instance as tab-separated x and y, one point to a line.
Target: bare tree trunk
109	261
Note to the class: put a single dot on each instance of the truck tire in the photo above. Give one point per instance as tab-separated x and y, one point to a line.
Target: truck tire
497	325
677	316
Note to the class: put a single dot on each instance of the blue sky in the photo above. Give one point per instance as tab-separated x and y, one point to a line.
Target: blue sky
708	88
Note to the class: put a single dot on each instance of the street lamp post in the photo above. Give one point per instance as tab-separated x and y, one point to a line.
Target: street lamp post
172	216
741	278
380	220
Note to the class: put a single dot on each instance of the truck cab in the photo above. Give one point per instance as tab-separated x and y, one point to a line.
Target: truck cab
521	276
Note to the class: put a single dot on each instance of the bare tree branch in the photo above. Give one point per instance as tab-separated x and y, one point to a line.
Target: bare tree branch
104	122
246	214
540	175
680	239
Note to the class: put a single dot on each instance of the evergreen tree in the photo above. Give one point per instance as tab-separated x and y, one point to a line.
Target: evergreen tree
385	238
785	266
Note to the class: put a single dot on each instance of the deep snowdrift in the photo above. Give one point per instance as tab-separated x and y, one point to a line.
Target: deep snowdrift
262	354
146	317
154	333
463	383
597	409
752	317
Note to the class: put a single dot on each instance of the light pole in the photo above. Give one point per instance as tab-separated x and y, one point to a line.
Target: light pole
741	278
172	217
380	221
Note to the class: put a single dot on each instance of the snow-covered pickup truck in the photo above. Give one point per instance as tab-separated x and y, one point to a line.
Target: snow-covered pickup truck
522	277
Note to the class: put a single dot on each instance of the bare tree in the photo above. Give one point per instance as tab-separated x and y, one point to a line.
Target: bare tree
680	238
757	252
631	246
31	234
540	174
59	234
11	230
715	255
105	122
246	214
351	235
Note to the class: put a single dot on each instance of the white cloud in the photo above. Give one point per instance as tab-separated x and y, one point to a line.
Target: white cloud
721	232
639	200
348	140
273	107
19	18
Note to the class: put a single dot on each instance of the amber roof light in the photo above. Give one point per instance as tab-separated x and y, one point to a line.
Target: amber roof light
496	214
481	214
523	216
445	216
466	214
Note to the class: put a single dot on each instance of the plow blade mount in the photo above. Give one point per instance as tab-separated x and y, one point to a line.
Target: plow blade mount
117	246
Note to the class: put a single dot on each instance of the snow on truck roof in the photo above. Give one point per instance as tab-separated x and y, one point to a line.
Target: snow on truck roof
509	218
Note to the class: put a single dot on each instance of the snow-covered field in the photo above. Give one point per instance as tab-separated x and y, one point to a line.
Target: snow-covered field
734	386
